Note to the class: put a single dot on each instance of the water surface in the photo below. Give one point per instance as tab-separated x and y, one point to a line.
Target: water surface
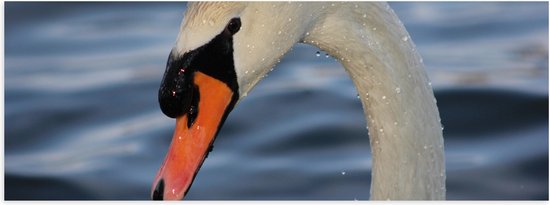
82	119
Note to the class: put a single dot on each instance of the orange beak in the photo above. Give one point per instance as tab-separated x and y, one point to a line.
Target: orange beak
190	145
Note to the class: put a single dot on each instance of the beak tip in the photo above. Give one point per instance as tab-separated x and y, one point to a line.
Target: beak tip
158	192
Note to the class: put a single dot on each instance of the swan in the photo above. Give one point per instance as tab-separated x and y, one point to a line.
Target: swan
224	48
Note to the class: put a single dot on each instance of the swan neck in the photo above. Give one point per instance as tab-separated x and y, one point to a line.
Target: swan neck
397	98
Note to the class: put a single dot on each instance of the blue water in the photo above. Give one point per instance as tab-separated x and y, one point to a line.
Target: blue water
82	119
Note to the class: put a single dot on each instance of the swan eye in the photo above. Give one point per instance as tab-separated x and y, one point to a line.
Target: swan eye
233	26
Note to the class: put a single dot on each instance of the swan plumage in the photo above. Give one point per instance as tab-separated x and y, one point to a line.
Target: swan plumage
366	37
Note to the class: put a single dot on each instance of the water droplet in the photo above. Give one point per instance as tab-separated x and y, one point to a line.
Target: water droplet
246	72
279	32
289	19
343	173
173	93
410	76
398	90
395	123
421	60
425	147
381	130
364	15
405	38
383	97
182	70
204	21
179	137
374	29
326	55
430	83
358	96
307	33
317	53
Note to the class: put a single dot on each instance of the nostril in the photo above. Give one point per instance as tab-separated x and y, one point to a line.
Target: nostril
159	191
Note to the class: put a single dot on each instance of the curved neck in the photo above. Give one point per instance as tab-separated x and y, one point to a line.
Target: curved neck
402	116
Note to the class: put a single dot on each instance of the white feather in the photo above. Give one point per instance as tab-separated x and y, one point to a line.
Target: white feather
375	49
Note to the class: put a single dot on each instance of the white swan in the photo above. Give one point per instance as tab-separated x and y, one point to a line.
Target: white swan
224	49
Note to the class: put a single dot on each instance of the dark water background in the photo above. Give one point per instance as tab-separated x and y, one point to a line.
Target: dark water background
82	120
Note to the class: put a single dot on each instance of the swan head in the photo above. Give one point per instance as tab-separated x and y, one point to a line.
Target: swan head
223	49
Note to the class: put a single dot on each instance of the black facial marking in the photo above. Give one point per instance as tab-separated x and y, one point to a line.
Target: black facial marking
194	109
214	59
176	89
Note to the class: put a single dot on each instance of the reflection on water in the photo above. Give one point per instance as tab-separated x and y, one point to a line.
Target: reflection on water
82	120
